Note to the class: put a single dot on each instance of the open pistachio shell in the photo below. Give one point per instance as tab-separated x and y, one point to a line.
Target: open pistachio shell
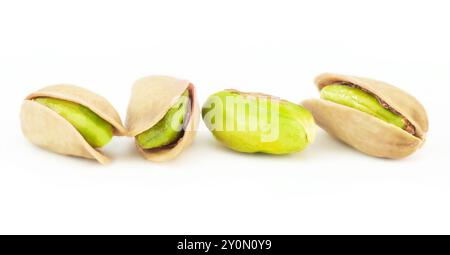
152	97
365	132
48	129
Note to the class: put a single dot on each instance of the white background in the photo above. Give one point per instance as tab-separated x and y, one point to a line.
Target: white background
274	47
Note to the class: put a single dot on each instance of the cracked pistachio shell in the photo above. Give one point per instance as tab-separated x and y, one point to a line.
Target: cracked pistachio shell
151	98
365	132
46	128
265	124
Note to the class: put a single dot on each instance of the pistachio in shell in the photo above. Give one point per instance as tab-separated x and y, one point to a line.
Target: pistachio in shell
258	123
70	120
163	116
374	117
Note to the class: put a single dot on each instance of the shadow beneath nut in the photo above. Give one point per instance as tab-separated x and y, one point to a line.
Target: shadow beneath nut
327	147
66	162
123	149
323	147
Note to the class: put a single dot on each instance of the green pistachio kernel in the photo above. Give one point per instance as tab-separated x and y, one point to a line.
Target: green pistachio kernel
169	129
255	123
360	100
94	129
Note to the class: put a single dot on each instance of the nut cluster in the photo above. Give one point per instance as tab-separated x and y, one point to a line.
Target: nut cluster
373	117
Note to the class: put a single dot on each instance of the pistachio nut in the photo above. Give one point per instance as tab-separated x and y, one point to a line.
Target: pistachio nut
70	120
163	116
258	123
372	116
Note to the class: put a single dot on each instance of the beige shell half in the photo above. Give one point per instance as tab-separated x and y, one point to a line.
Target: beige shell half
365	132
47	129
151	99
